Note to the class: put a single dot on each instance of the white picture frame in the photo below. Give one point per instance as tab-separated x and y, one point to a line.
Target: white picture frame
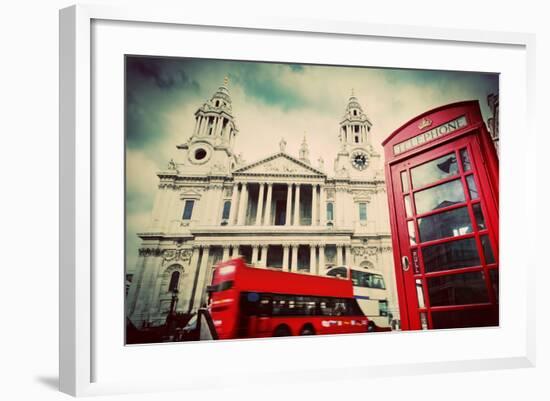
87	366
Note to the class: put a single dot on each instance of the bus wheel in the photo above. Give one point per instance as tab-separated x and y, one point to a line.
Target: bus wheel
371	327
307	331
281	331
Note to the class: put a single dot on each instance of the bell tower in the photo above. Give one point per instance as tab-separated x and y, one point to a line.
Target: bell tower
355	140
210	148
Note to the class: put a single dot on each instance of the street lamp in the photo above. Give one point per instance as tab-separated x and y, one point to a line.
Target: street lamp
174	301
170	319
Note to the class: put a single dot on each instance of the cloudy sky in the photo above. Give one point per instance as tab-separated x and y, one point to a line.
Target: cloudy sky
270	101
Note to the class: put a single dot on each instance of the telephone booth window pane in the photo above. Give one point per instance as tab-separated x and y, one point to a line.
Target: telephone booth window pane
451	255
408	208
464	318
466	165
404	181
487	251
446	224
479	217
438	169
438	197
412	234
472	187
457	289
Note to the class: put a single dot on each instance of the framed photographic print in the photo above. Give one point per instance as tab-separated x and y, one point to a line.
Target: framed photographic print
288	199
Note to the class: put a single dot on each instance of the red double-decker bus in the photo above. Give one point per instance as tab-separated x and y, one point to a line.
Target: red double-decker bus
249	302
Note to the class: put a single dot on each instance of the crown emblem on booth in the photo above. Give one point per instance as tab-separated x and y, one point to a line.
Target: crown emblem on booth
426	122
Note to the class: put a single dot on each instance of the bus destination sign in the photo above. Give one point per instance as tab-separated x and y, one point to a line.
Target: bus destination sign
430	135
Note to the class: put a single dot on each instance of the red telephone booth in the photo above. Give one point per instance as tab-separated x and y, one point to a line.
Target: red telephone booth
442	176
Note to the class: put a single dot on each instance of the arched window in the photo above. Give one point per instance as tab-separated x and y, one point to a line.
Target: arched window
330	211
174	281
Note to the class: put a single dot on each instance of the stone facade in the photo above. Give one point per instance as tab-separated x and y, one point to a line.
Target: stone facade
493	121
279	211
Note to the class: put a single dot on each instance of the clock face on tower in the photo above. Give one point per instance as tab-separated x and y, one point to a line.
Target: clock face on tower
359	160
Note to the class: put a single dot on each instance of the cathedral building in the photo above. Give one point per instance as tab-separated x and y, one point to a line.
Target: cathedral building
280	212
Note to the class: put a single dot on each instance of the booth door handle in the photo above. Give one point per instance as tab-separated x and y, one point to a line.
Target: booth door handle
405	263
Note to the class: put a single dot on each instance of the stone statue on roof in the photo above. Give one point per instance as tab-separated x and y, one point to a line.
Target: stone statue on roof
282	145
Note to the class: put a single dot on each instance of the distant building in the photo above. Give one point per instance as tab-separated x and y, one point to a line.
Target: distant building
279	211
492	122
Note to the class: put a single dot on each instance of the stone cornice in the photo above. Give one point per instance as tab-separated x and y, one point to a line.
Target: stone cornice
259	243
160	235
271	230
172	179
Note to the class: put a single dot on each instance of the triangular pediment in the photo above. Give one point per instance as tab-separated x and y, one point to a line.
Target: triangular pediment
279	164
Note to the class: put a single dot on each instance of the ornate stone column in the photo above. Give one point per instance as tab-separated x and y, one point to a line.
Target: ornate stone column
255	254
267	216
234	251
225	252
234	197
201	277
285	257
294	263
322	267
243	205
322	206
219	126
197	119
288	204
314	205
312	259
199	126
339	259
204	123
263	261
348	255
297	206
260	204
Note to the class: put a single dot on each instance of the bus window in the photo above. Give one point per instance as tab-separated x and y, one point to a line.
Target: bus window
383	305
279	306
377	281
255	304
264	309
338	272
367	280
225	285
339	307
